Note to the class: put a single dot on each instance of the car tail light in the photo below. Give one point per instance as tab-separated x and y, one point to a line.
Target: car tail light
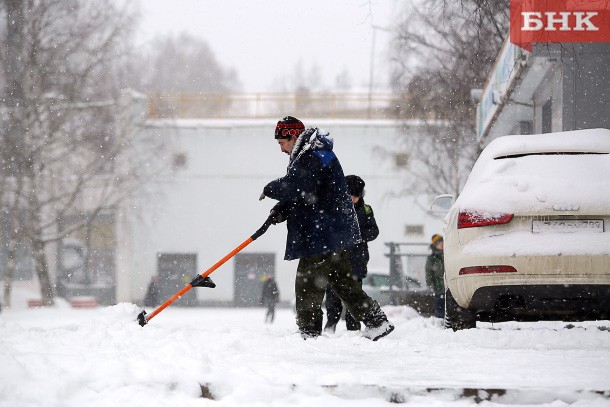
487	270
467	219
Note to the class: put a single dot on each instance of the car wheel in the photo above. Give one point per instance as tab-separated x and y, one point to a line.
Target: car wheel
456	317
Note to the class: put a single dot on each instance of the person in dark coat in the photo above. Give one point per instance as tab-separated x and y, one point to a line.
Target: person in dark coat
435	274
358	255
322	227
269	297
151	299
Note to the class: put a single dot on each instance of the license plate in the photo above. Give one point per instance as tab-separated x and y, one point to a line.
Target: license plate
567	226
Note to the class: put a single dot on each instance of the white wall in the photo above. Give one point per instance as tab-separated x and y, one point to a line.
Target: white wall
212	205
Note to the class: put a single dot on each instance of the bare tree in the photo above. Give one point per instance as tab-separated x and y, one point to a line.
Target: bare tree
343	80
170	70
442	51
63	149
182	64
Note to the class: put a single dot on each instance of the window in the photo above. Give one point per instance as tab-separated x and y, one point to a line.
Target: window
414	230
401	159
179	161
24	260
86	258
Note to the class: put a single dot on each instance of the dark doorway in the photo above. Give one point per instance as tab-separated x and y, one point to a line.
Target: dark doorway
249	270
176	270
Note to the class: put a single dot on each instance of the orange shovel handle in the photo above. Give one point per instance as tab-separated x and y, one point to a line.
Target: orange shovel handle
204	275
143	319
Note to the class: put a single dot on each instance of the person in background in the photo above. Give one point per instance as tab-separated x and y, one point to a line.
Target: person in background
322	227
358	255
151	299
269	297
435	274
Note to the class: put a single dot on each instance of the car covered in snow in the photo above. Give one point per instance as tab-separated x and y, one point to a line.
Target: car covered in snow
527	239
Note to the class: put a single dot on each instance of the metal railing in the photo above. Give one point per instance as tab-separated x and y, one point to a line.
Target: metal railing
396	253
270	105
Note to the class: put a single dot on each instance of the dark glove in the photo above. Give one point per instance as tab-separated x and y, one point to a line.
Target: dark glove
276	217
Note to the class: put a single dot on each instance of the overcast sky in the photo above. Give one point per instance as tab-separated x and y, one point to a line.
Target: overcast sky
263	40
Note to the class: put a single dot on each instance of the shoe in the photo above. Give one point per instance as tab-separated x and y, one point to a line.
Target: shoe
379	332
330	329
309	335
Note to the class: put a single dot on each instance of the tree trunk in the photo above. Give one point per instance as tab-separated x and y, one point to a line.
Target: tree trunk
42	271
48	67
13	159
10	269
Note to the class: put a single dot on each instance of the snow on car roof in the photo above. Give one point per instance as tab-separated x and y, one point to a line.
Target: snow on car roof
542	172
590	140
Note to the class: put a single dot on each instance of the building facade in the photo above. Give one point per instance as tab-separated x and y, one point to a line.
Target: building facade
556	87
199	200
203	202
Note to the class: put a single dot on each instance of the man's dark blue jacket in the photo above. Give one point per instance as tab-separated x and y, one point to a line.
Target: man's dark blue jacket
313	198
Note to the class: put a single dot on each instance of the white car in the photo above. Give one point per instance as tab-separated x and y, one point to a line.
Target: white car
528	238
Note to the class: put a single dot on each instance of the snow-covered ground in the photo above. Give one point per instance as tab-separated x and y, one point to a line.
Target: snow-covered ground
101	357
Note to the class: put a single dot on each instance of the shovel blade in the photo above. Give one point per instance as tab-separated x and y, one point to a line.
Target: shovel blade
142	318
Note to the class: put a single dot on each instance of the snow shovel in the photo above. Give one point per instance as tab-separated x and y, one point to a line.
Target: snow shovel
202	280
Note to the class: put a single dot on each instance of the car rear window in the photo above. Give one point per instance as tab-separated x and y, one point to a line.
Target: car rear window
531	182
550	153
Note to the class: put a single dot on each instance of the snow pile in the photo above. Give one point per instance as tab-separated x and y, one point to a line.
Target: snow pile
184	356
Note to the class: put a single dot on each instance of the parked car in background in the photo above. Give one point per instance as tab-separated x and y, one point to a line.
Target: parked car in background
377	286
527	239
413	292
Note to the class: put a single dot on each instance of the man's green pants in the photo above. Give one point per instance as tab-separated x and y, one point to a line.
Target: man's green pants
313	275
